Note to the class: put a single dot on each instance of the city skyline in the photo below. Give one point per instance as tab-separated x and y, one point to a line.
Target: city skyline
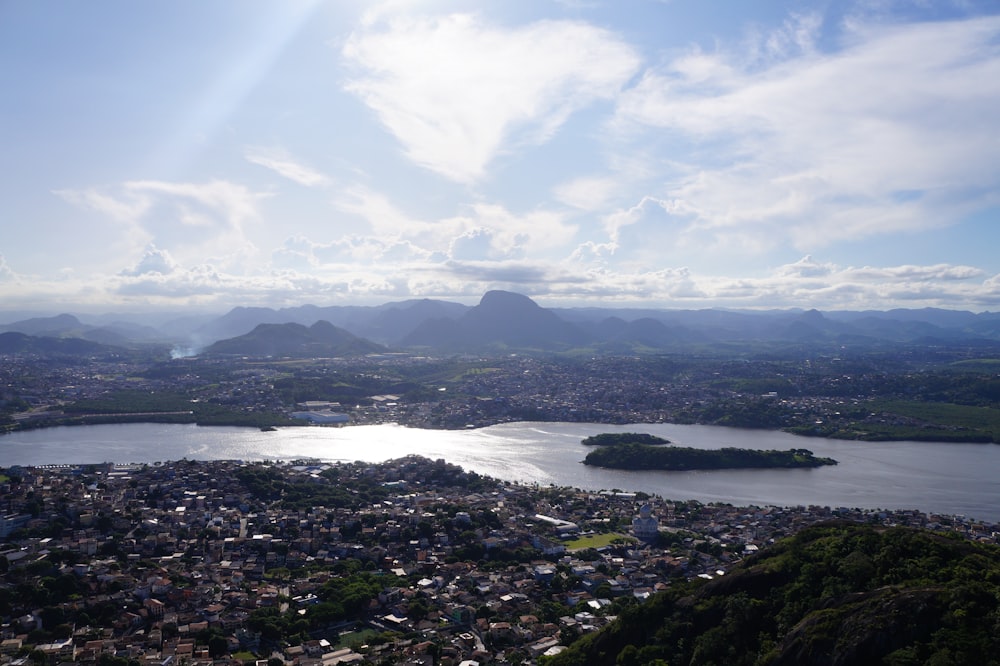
658	154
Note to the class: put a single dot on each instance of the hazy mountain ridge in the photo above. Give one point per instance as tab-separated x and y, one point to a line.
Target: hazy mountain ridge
13	342
322	339
506	320
114	333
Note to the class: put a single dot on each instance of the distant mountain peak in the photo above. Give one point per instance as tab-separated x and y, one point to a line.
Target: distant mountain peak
506	299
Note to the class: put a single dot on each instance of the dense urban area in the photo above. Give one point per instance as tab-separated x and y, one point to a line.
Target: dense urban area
945	396
411	561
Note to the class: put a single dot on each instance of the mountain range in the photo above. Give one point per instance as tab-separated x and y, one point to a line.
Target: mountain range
504	320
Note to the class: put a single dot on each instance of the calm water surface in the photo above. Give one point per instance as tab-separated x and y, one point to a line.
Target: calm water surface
945	478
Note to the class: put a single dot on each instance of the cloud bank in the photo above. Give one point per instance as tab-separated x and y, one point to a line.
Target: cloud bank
820	159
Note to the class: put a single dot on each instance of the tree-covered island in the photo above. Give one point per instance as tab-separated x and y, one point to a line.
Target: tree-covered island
617	438
624	451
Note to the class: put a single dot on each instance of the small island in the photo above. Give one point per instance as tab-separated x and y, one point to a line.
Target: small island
624	451
617	438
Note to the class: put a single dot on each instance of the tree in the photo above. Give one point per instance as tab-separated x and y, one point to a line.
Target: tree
417	610
568	635
218	646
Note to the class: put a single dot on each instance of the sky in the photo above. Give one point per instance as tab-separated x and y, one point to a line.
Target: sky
197	155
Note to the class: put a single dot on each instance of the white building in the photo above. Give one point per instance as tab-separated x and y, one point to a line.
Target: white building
645	526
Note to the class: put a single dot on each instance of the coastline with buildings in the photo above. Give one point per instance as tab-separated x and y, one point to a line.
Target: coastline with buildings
201	559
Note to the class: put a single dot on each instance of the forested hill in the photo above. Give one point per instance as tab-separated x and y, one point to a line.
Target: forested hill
322	339
681	458
834	594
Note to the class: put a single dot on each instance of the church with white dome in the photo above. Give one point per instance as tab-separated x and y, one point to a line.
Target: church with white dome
645	526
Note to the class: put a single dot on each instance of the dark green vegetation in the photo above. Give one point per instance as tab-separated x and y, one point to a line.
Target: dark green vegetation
334	488
269	484
340	599
163	407
614	439
632	455
833	594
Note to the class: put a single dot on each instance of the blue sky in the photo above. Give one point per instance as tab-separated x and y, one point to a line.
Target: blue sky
683	154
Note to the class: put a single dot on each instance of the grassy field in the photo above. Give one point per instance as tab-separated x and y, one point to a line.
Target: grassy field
982	419
355	638
978	364
934	421
595	541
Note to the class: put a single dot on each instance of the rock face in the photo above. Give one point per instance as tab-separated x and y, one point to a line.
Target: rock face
502	319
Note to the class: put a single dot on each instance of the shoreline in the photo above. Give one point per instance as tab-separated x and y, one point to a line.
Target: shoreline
172	418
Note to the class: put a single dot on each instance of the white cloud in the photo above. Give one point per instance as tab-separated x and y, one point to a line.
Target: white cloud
805	283
122	209
805	267
455	91
796	35
488	230
153	261
353	251
939	272
587	193
285	166
193	222
891	133
229	203
295	254
714	159
6	272
510	235
383	217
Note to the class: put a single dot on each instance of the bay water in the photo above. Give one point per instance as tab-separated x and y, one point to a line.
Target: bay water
933	477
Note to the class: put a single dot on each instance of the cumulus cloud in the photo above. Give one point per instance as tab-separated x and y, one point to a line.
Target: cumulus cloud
808	281
153	261
480	231
454	90
806	267
500	233
883	135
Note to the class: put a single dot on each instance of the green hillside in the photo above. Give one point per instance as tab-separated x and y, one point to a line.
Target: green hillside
834	594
